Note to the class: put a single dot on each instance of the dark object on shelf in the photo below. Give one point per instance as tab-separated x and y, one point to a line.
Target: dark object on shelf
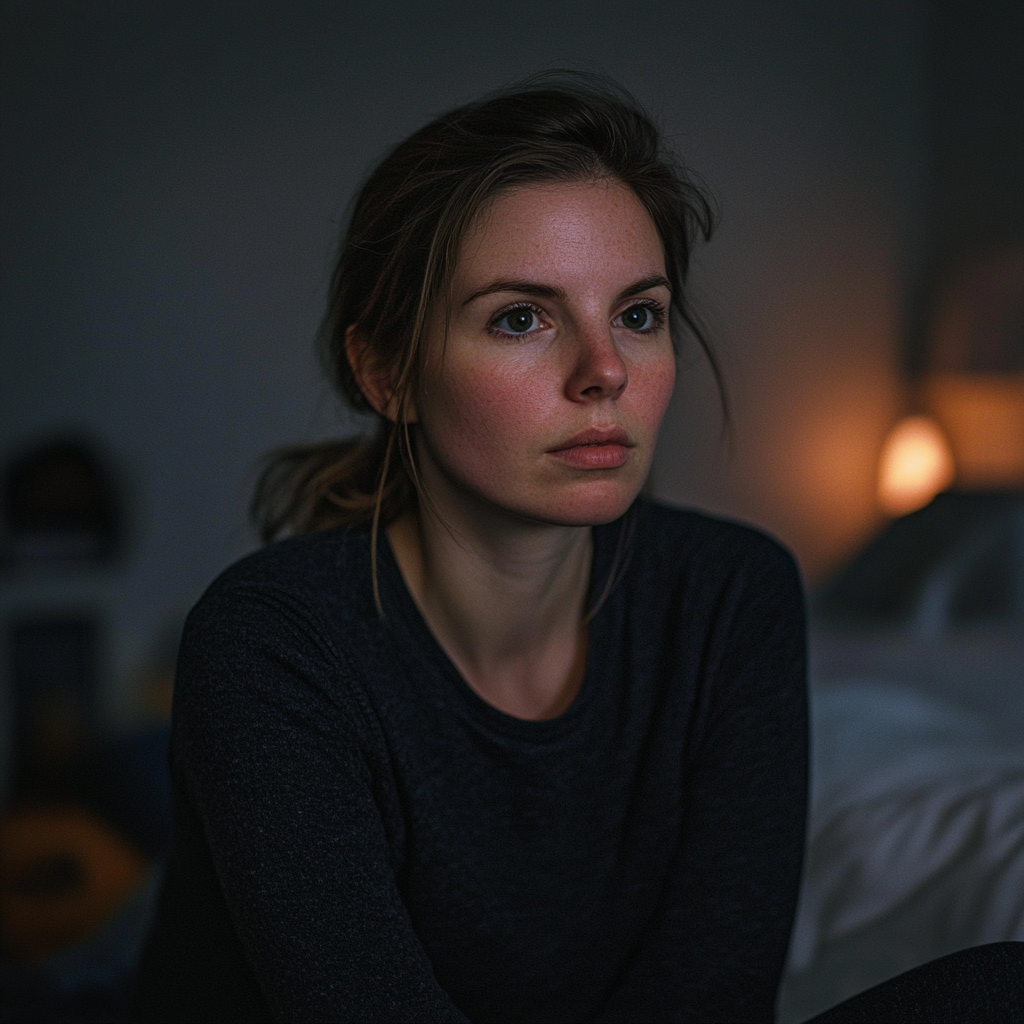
61	507
956	563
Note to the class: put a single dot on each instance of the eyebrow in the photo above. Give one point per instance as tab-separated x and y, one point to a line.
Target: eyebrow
548	291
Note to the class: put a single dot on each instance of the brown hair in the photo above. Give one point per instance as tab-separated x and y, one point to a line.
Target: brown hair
398	255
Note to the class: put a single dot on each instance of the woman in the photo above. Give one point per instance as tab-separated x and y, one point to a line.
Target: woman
489	738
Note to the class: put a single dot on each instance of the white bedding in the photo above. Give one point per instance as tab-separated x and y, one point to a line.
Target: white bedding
916	843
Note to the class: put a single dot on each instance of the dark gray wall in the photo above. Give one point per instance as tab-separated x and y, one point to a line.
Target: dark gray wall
973	186
174	174
976	80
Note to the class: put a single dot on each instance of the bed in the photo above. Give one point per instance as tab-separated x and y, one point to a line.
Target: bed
916	837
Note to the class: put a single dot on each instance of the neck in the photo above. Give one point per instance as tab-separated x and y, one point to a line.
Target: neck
504	597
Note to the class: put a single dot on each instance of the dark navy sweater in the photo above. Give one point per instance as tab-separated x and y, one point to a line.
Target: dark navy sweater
360	837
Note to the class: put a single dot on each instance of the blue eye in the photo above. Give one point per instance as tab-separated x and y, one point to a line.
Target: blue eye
517	321
638	318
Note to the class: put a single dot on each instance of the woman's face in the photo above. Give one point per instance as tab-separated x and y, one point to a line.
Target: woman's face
545	398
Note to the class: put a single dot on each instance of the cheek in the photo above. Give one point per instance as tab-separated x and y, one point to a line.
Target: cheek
653	383
474	416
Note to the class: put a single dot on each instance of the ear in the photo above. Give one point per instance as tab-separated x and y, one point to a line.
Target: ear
372	379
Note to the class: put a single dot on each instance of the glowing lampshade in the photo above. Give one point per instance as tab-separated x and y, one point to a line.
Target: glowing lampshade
916	464
983	416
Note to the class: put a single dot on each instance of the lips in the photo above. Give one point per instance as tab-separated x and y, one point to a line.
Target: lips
596	436
595	448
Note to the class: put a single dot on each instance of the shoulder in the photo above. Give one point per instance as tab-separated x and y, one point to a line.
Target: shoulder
727	590
304	593
326	569
277	636
712	577
668	540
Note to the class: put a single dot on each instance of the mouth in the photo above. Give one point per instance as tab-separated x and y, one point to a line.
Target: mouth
595	448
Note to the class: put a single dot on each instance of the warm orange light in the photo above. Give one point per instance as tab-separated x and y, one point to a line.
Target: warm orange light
916	463
983	416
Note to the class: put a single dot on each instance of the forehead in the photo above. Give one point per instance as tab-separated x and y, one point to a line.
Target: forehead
560	231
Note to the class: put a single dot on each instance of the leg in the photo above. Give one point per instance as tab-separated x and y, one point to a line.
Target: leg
981	985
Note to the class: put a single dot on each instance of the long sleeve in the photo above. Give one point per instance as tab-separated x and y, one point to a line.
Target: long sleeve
716	950
269	756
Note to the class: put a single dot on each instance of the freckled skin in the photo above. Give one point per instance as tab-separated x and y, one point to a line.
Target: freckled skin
492	406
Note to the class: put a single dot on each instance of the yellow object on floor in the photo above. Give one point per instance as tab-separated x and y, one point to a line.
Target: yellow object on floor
62	873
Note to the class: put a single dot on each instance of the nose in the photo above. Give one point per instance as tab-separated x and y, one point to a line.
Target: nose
598	370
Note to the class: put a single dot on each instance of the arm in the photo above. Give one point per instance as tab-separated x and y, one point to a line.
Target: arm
272	753
717	951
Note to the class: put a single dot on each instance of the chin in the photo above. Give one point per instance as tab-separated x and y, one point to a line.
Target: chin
592	504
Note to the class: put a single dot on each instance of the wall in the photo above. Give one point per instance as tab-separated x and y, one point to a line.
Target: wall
977	126
174	175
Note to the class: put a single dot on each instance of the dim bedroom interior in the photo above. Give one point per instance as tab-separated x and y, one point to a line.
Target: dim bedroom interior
865	293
